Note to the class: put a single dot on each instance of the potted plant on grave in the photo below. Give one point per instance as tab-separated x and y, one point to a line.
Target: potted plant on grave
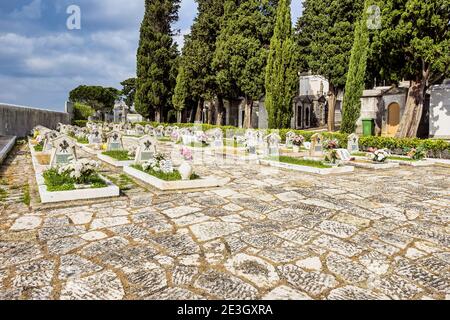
418	153
330	147
297	142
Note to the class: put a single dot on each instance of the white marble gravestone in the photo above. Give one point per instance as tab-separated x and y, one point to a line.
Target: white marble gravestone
316	149
95	137
63	151
289	138
140	130
218	138
159	132
146	149
273	144
353	143
114	141
343	154
251	142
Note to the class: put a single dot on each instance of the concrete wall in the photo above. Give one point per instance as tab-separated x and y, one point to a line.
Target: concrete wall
440	112
19	121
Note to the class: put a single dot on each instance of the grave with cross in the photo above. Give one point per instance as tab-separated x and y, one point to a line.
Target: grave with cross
146	149
95	137
353	143
289	138
316	149
114	141
63	151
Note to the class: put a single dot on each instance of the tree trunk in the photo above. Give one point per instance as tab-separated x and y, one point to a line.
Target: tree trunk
198	114
332	97
211	111
220	111
248	113
178	116
414	108
158	115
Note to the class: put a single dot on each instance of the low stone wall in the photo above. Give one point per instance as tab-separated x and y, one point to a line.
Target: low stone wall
19	121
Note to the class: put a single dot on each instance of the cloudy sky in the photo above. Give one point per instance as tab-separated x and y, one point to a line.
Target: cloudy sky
41	60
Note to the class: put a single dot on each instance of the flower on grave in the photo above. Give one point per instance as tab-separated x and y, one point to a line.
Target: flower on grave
80	170
331	144
158	164
175	136
186	153
417	154
379	156
298	140
132	150
166	166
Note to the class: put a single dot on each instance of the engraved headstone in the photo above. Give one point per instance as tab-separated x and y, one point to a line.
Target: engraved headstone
343	154
316	149
95	137
146	149
353	143
273	144
114	141
289	138
63	151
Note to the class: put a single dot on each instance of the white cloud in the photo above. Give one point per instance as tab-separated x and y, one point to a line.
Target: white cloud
29	11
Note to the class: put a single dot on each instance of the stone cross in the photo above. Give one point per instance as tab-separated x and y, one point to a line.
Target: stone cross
146	149
316	149
49	137
95	137
273	144
353	143
289	138
114	141
63	151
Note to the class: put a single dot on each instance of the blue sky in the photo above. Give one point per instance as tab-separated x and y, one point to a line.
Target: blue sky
41	60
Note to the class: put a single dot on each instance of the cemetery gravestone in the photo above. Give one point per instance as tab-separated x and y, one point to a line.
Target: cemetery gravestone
316	149
289	138
353	143
343	154
95	137
146	149
63	151
114	141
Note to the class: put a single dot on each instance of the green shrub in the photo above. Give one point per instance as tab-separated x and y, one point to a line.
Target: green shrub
38	148
63	182
82	111
80	123
301	162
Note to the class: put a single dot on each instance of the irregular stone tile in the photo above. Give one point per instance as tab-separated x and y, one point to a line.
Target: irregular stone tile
211	230
283	254
262	241
101	286
283	215
43	293
26	223
183	275
338	229
93	236
56	222
65	245
102	223
12	253
413	253
289	196
397	288
174	294
346	269
355	293
285	293
352	219
131	231
224	286
321	203
33	280
391	213
146	282
312	263
177	244
153	221
104	246
79	218
180	211
313	282
334	244
46	234
191	219
298	235
375	262
232	207
131	259
256	270
73	266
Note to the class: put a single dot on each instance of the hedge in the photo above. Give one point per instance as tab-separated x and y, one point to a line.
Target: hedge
82	111
396	145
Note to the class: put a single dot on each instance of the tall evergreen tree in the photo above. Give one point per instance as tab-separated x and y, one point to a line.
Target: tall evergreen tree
129	90
181	93
414	44
325	34
156	59
281	75
198	53
242	47
355	83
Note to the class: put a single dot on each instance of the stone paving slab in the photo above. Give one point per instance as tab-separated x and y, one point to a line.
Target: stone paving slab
268	234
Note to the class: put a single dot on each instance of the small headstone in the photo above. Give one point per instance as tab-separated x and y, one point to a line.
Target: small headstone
251	142
114	141
159	132
316	149
63	151
273	144
353	143
146	149
289	138
218	138
140	130
343	154
95	137
49	137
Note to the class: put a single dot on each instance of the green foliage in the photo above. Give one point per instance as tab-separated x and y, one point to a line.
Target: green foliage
120	155
26	198
301	162
181	93
156	58
98	98
63	182
82	111
354	86
402	159
80	123
129	90
281	72
84	140
38	148
414	39
325	37
241	49
174	176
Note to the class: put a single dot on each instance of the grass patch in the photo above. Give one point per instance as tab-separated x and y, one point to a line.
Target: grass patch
83	140
39	148
26	198
301	162
120	155
174	176
3	194
165	139
123	181
359	154
402	159
63	182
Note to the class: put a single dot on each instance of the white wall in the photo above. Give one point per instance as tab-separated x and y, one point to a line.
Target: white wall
310	85
440	112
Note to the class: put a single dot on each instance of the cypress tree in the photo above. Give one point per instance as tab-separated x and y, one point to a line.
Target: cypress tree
156	59
354	86
181	93
281	70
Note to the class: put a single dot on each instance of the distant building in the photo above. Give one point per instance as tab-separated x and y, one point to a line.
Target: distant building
123	113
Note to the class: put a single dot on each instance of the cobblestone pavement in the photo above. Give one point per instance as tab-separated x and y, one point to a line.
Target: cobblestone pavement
268	234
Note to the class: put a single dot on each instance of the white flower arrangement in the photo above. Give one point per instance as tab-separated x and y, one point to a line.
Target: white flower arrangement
158	164
80	170
379	156
132	151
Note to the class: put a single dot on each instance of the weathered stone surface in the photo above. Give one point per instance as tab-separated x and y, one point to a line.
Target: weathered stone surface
355	293
104	246
346	268
75	266
104	285
255	270
180	211
93	235
102	223
331	243
26	223
286	293
177	244
146	282
15	253
174	294
211	230
224	286
65	245
313	264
